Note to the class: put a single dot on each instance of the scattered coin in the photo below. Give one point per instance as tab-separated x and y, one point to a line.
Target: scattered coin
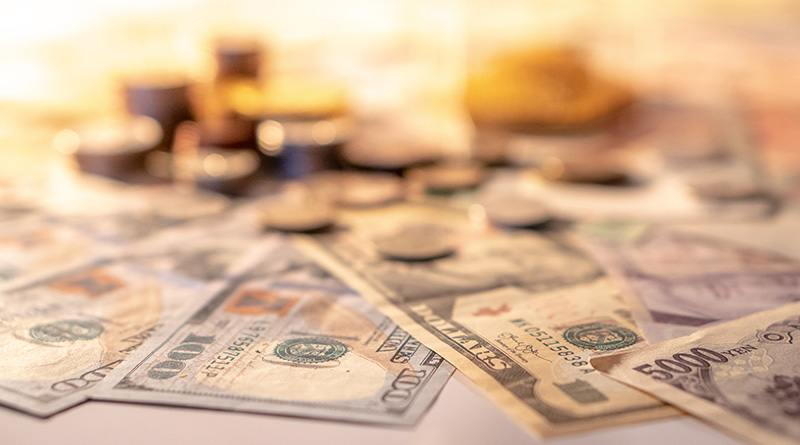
186	205
591	168
516	211
357	189
417	242
726	191
447	178
297	215
113	147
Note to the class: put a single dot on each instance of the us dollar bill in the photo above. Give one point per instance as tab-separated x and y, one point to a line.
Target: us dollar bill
435	302
680	279
87	221
742	376
287	338
63	334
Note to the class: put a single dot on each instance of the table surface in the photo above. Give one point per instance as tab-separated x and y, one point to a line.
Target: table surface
462	415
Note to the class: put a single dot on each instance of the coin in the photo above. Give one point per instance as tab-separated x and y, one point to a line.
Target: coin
417	242
113	147
512	210
297	215
447	178
358	189
584	170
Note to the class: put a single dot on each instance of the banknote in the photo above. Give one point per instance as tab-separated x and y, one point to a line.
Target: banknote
742	375
86	221
287	338
435	302
62	334
680	280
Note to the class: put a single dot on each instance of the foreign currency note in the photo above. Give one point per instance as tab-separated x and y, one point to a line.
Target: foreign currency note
287	338
742	375
427	299
680	280
63	334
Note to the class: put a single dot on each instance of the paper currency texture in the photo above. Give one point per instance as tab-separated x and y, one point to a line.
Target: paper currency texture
742	376
491	337
287	338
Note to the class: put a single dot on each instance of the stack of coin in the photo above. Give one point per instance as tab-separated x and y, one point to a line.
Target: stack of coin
165	99
301	145
238	58
113	147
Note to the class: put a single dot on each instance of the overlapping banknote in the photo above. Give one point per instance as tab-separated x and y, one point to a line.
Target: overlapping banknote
681	278
52	226
65	333
273	333
287	338
529	345
742	376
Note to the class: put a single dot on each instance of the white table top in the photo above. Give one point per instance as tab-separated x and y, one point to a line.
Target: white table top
461	415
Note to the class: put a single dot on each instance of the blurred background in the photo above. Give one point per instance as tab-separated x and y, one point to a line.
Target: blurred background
459	77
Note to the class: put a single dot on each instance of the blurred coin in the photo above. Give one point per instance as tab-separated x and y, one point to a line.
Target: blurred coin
356	189
113	147
417	242
297	215
182	206
448	177
596	167
164	98
512	210
238	57
380	156
726	190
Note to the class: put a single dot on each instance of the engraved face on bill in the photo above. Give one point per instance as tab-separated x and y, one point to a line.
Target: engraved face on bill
289	341
742	375
680	281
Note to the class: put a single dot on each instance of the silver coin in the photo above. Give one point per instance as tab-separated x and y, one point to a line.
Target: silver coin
516	211
417	242
726	191
297	216
592	168
353	189
447	178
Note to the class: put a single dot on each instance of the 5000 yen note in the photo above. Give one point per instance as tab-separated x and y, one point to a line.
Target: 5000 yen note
435	302
742	375
289	339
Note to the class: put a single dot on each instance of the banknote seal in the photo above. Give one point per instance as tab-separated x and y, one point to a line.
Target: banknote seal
310	350
66	330
600	336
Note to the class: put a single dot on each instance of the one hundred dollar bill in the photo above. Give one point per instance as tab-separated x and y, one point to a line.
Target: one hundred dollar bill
63	334
679	280
742	375
287	338
483	335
